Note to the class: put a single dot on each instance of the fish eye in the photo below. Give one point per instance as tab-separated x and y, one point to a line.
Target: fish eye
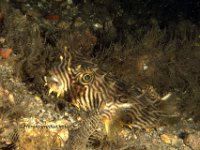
87	77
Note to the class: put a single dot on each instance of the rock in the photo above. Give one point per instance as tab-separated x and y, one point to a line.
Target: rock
171	139
2	40
5	52
193	141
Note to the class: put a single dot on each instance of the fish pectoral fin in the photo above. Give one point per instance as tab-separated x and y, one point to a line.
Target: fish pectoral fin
76	104
107	123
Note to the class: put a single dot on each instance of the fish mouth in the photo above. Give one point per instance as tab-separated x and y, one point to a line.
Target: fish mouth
54	86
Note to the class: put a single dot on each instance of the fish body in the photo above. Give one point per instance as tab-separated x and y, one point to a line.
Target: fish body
91	90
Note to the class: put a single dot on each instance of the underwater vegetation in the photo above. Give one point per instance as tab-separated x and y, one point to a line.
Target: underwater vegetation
109	80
